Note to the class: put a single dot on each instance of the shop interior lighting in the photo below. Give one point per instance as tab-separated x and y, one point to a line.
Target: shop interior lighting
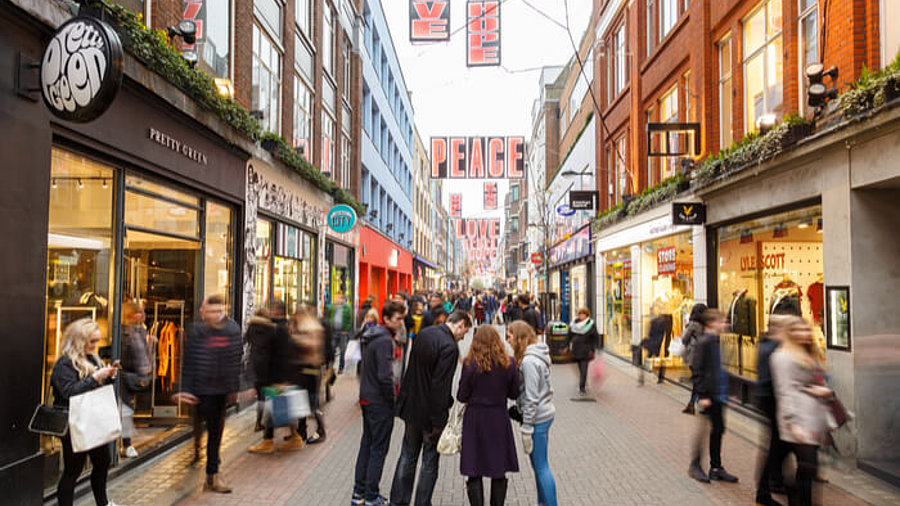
225	87
804	224
819	225
53	183
80	184
104	184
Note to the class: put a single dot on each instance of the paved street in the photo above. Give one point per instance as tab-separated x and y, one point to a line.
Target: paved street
629	447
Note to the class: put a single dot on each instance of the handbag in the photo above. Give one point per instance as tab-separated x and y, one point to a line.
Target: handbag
451	438
135	382
353	353
839	414
676	347
288	406
94	419
49	421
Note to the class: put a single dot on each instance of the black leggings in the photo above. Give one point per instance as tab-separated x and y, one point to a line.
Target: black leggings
582	374
807	467
74	463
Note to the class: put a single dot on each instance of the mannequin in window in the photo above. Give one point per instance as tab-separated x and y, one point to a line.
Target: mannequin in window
786	298
742	314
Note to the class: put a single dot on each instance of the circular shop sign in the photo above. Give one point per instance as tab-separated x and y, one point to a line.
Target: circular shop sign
341	218
81	69
564	210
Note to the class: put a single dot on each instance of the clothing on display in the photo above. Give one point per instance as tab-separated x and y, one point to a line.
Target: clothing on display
816	295
742	314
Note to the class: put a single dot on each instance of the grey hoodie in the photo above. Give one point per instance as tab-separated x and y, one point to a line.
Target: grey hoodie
535	393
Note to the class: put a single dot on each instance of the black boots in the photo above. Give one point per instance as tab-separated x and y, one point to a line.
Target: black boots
696	472
475	491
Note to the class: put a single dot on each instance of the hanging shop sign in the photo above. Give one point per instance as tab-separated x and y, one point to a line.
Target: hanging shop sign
478	157
584	200
483	33
456	205
429	20
665	261
341	218
81	69
490	196
565	210
688	213
537	258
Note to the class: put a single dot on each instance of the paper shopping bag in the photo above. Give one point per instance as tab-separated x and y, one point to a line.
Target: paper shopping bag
94	419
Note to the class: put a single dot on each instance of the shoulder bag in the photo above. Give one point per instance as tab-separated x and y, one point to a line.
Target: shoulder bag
49	421
451	438
94	418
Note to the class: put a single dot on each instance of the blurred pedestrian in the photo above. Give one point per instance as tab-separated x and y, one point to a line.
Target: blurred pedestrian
489	377
535	403
211	378
798	374
435	304
424	405
339	319
711	385
689	338
771	477
79	370
376	397
269	343
479	311
490	307
582	341
136	370
309	351
364	309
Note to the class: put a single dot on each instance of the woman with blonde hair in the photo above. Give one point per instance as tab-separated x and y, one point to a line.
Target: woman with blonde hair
78	370
535	403
488	378
798	375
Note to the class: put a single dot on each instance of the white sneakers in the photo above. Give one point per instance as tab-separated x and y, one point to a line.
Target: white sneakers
130	452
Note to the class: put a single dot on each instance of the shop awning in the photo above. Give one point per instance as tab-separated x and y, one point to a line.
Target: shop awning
425	262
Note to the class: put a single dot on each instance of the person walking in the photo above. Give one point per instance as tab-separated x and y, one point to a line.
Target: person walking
260	338
364	309
308	349
535	403
339	318
136	370
582	340
692	333
479	311
490	307
798	374
424	405
211	378
529	313
376	397
771	478
489	377
711	385
78	370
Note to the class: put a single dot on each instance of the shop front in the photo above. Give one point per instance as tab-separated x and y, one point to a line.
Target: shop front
384	267
340	262
427	274
571	277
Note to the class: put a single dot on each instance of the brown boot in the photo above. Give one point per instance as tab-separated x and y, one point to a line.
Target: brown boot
215	484
294	443
266	446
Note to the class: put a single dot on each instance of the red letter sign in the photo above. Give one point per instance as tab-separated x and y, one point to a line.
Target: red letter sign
438	157
483	33
429	20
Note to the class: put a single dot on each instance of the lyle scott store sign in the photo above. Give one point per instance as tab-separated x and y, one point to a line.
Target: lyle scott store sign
688	213
81	69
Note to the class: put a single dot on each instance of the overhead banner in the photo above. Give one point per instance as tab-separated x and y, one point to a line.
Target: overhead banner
483	33
478	157
456	205
429	20
490	195
480	237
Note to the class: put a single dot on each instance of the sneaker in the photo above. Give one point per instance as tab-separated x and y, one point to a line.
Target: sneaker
696	472
265	446
357	500
129	452
293	444
378	501
315	439
719	473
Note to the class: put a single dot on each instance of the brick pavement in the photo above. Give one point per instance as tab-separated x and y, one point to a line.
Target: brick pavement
630	447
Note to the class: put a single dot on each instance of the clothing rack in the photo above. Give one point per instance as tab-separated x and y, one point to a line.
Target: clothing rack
165	306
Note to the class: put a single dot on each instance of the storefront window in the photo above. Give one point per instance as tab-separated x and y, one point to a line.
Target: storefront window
217	267
340	264
579	277
618	311
263	273
285	265
767	266
667	288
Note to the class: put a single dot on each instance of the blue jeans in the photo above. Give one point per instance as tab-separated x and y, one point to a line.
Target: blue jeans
339	344
414	440
378	422
546	484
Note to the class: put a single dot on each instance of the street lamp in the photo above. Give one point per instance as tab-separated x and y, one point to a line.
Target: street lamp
569	173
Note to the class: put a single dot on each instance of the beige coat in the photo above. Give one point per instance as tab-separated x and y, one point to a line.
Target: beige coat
794	405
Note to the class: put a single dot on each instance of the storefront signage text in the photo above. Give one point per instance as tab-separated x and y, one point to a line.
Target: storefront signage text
564	210
586	200
477	157
341	218
752	263
177	146
665	261
575	247
81	70
483	33
429	20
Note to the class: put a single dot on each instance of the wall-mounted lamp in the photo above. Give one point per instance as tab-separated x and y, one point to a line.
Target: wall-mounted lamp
225	87
817	93
187	30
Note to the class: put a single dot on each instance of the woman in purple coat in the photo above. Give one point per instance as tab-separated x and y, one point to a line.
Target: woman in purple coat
489	377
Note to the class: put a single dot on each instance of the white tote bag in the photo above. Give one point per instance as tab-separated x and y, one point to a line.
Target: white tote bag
451	438
94	419
353	353
676	347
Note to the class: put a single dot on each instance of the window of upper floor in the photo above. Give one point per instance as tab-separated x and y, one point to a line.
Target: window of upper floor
763	63
328	38
726	91
617	63
808	30
266	80
270	15
303	10
661	18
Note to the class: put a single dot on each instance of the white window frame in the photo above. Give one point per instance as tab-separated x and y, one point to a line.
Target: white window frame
270	121
304	124
668	17
669	107
328	37
763	51
812	10
303	17
618	63
725	77
328	134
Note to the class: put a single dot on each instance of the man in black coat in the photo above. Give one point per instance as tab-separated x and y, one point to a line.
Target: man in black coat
529	313
424	403
431	312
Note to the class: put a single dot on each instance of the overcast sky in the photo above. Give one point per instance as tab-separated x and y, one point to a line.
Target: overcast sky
451	99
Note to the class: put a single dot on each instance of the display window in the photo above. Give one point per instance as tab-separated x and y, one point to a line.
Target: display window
769	265
618	311
667	266
578	280
285	265
340	271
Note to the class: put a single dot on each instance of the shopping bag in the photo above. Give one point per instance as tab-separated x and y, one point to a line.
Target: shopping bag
451	438
288	406
597	371
94	419
353	354
676	347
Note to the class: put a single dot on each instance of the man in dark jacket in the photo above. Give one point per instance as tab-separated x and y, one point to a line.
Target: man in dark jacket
211	377
530	314
376	396
260	337
431	312
424	403
513	310
711	387
770	477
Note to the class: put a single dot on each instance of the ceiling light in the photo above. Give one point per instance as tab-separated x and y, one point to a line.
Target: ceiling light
80	184
53	183
104	184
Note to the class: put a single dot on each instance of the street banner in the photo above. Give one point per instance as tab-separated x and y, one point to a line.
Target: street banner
429	20
490	195
480	237
483	33
478	157
456	205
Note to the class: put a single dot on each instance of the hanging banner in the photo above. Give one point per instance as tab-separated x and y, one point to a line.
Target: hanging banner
478	157
456	205
429	20
483	33
490	196
480	237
